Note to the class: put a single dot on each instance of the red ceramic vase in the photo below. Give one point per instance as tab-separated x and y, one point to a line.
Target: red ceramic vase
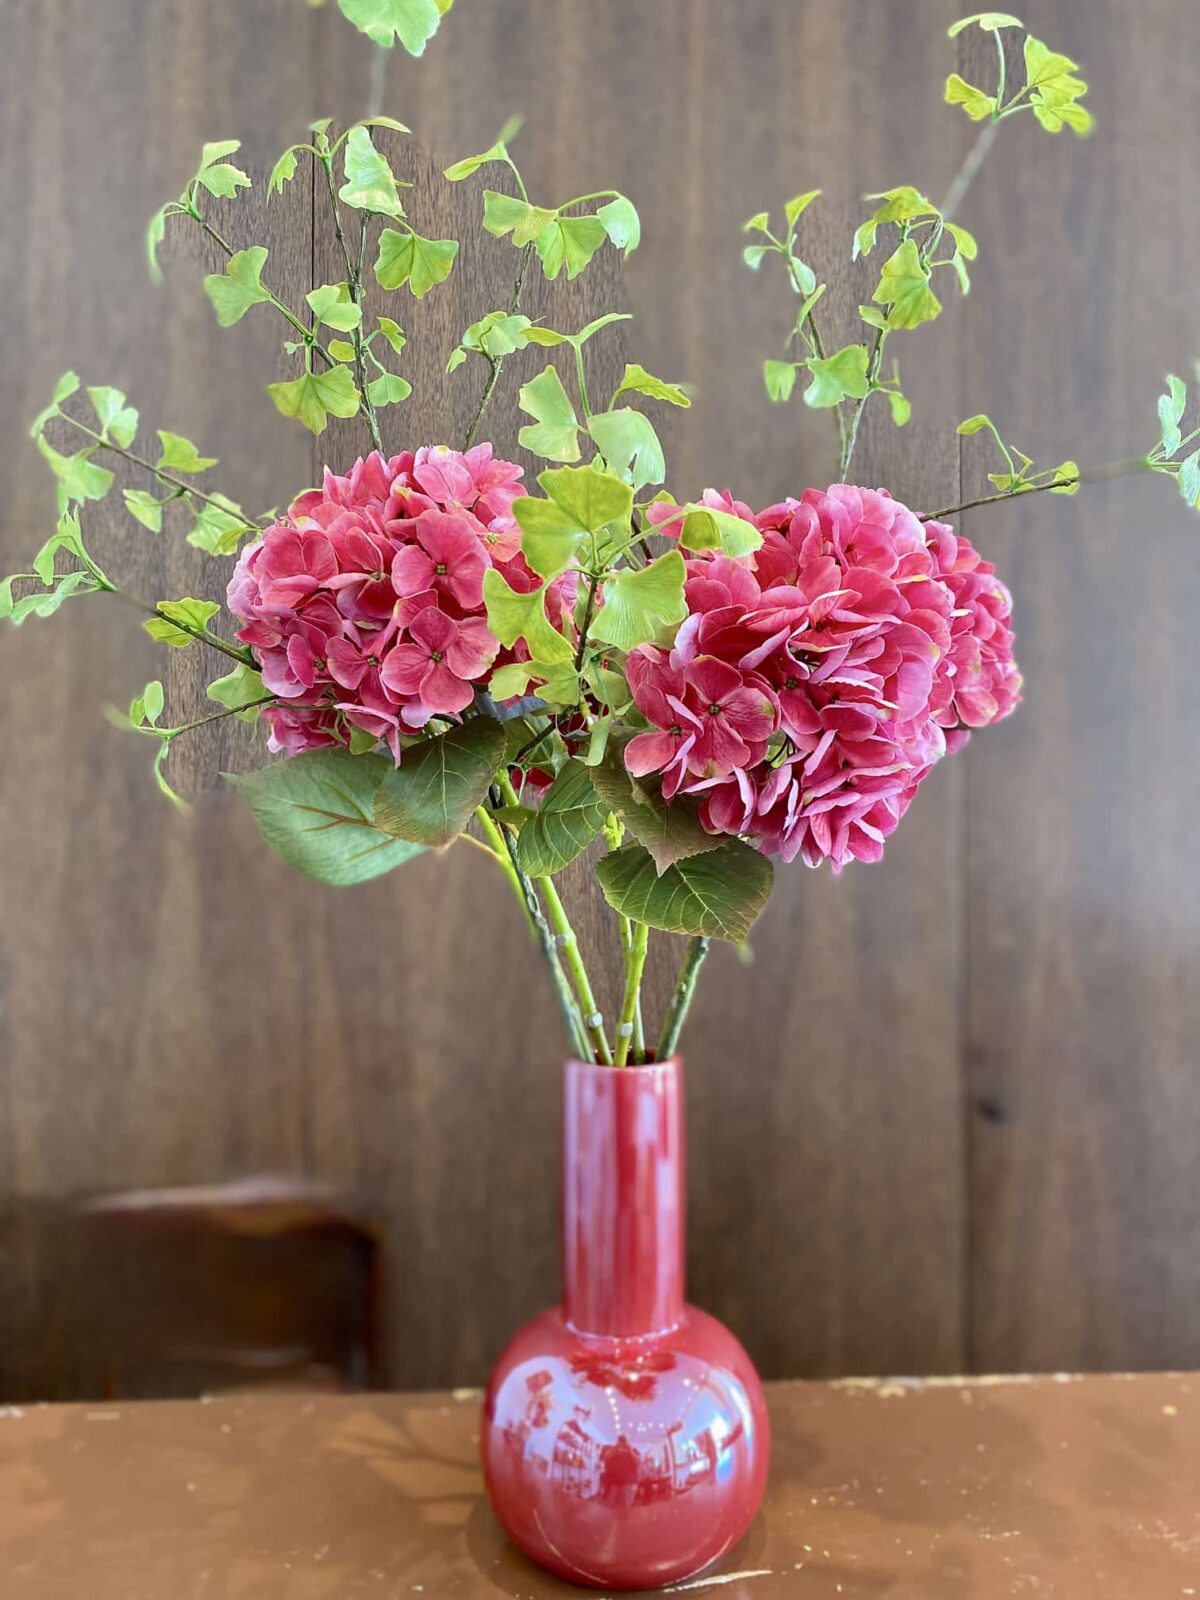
625	1438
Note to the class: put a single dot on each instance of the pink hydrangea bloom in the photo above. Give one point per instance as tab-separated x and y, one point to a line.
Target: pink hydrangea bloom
364	604
815	684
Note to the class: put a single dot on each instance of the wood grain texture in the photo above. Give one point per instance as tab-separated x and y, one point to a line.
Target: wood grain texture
175	1006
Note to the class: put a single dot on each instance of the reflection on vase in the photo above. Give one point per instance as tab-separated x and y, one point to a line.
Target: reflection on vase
614	1456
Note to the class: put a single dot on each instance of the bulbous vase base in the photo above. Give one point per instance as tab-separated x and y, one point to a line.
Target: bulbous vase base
625	1463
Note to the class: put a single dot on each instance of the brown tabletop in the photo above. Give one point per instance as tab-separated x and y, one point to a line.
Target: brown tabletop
957	1489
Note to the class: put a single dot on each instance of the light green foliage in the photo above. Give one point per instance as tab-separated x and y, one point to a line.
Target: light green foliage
569	242
145	508
637	380
331	305
219	527
407	258
974	102
239	287
66	386
990	21
370	182
316	811
554	432
1051	90
902	205
56	587
392	333
413	22
180	455
717	895
841	376
622	224
238	691
388	389
216	175
780	378
282	172
640	603
118	421
512	616
1019	476
1171	441
904	289
314	397
568	819
195	613
627	441
430	798
79	477
581	502
707	528
496	152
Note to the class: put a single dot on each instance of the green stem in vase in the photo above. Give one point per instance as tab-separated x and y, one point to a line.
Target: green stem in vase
681	1000
635	966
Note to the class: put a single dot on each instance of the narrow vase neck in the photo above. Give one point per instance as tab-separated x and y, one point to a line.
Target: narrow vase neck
623	1240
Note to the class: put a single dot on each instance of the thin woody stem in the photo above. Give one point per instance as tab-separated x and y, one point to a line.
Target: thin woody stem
681	1000
495	363
354	284
1104	474
217	716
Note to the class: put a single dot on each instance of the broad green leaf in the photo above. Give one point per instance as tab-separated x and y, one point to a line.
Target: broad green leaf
239	287
670	832
974	102
964	242
621	223
238	689
841	375
512	616
370	182
196	613
706	528
638	381
590	498
219	529
760	222
718	895
1055	89
503	213
557	683
549	537
316	811
904	289
392	332
282	172
498	151
497	335
568	819
180	455
430	798
627	441
148	706
388	389
315	396
142	505
555	430
331	304
408	258
991	21
66	536
901	407
780	379
753	255
975	424
569	242
79	476
63	390
1171	407
118	421
220	177
341	350
796	208
902	204
413	22
641	602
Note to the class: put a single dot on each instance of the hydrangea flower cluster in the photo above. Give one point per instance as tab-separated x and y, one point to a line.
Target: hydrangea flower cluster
816	682
364	605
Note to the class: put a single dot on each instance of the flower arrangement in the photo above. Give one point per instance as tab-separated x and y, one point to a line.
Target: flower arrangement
438	648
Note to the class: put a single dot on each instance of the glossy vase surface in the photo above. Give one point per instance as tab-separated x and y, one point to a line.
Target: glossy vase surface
625	1438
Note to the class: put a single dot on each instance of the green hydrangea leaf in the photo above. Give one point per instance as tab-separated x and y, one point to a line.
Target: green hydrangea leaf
408	258
670	832
637	380
904	289
621	223
717	895
413	22
837	377
554	433
431	796
388	389
569	818
627	441
142	506
370	182
780	379
512	616
641	602
180	455
316	811
239	287
117	420
331	304
240	689
569	242
315	396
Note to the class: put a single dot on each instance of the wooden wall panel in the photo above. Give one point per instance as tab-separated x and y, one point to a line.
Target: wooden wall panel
176	1006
